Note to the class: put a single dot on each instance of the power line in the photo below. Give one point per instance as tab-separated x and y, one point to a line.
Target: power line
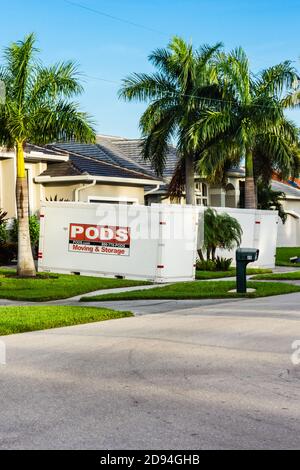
138	25
102	79
176	94
112	17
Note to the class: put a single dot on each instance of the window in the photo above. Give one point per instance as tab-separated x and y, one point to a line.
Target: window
201	194
112	200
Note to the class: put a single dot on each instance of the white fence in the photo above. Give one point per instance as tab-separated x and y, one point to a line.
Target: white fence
260	230
289	233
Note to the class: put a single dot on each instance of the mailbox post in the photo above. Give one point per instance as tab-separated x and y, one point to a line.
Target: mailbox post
244	256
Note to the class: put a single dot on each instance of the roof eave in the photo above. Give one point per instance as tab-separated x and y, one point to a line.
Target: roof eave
100	179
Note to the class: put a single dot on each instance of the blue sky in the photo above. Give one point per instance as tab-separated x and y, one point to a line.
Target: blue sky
110	49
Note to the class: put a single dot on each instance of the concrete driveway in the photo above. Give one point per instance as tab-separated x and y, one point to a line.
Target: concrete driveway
211	375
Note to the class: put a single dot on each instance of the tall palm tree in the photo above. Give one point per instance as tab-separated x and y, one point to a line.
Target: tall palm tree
183	74
37	110
248	122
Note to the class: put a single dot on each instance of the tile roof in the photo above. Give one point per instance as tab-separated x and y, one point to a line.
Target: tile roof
132	150
92	160
103	152
110	156
289	191
46	151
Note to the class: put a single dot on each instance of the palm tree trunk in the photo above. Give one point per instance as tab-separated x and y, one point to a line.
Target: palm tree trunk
250	186
190	179
26	266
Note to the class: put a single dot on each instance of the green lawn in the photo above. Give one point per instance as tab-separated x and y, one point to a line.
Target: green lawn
293	276
55	286
231	273
283	256
21	319
199	290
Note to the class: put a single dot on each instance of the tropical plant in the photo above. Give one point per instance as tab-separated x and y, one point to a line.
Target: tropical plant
56	199
8	252
38	109
268	199
220	231
3	230
223	264
248	123
219	264
183	75
205	265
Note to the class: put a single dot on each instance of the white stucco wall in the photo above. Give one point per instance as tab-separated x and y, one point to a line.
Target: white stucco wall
112	191
289	233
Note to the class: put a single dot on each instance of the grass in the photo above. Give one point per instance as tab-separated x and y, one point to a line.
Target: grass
202	275
293	276
283	256
55	286
23	319
199	290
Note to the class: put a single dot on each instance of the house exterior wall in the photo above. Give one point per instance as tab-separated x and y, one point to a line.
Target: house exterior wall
35	190
7	190
110	191
64	191
7	186
135	193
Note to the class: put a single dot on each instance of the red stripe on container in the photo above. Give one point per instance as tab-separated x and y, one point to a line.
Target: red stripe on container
160	266
163	223
42	216
257	222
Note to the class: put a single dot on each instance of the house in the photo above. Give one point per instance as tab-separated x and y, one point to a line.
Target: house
114	171
36	161
75	172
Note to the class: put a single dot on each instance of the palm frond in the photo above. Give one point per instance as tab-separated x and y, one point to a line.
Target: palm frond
157	138
61	121
144	87
274	80
19	63
53	82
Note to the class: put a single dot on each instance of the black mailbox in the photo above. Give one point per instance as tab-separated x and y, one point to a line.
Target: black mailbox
244	256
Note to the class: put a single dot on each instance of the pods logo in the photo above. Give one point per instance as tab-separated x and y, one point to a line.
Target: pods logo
99	239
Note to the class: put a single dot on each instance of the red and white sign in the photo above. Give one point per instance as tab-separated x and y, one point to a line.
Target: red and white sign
100	239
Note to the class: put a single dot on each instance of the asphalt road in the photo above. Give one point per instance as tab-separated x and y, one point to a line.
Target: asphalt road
205	375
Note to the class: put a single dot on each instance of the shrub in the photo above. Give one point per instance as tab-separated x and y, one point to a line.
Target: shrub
223	264
219	264
8	252
206	265
3	228
56	199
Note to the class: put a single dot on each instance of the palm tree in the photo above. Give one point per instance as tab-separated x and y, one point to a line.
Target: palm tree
183	74
268	199
220	231
37	110
248	122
